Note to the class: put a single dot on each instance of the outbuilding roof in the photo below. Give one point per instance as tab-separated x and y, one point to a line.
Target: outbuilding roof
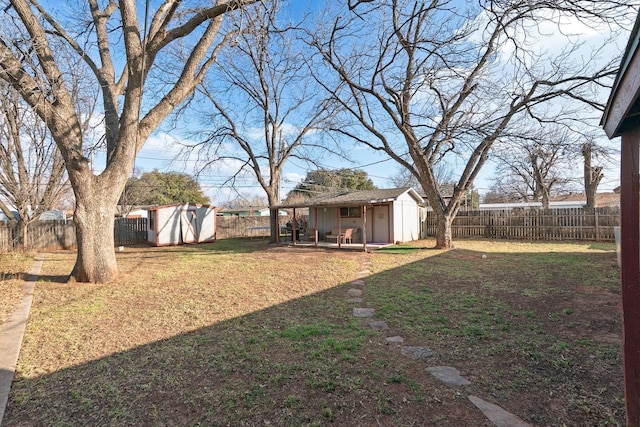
364	197
623	104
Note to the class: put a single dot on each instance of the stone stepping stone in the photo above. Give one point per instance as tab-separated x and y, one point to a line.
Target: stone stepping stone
358	282
364	273
395	339
363	312
416	353
354	292
355	300
379	325
497	415
448	375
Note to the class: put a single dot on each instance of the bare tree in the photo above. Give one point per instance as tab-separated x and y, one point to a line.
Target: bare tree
536	167
441	81
121	56
32	174
271	110
592	174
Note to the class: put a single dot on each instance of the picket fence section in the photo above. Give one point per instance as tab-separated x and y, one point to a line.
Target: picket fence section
533	224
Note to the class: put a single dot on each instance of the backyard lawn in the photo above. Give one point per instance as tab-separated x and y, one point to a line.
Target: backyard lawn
242	333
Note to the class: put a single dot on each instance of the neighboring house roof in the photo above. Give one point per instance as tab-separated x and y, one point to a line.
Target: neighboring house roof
576	200
3	217
50	215
602	199
359	197
247	210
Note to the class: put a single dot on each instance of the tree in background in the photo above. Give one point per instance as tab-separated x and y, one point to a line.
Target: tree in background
32	174
264	104
162	188
536	167
247	200
331	181
164	54
442	81
592	175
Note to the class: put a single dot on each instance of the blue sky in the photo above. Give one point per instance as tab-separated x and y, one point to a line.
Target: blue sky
160	153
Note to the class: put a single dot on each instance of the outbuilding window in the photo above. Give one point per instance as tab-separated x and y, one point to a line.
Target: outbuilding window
350	212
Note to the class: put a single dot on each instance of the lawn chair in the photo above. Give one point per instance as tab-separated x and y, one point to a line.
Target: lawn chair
346	236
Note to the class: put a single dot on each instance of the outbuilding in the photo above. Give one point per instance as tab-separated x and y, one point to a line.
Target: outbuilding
622	119
373	216
181	223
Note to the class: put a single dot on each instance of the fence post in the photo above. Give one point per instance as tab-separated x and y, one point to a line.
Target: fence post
595	210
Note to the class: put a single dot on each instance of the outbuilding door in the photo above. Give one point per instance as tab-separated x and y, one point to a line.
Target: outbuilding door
380	224
189	225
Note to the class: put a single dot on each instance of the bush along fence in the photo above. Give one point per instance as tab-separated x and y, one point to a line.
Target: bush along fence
56	235
533	224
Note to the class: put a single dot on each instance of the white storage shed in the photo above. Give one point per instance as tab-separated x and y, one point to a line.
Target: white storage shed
181	223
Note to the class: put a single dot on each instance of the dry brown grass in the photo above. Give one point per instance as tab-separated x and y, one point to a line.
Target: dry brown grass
240	333
14	267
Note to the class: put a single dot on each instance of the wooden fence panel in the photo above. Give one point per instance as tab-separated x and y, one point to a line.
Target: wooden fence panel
130	231
56	235
533	224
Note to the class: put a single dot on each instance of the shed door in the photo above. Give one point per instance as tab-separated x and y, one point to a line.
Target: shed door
189	226
380	227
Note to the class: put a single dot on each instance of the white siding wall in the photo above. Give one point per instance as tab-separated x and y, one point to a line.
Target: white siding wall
206	224
168	223
405	219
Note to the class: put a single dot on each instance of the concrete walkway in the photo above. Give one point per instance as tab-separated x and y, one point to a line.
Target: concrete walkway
11	333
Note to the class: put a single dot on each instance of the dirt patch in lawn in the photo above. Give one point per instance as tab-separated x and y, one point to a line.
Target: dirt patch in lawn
242	333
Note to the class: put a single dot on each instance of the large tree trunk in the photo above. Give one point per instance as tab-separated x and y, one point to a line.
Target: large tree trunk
444	238
96	260
275	225
592	176
24	234
273	198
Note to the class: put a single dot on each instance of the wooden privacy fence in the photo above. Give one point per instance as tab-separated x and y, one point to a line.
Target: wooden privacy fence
244	226
130	231
533	224
55	235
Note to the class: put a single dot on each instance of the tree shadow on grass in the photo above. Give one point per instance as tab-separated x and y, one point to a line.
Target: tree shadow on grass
310	362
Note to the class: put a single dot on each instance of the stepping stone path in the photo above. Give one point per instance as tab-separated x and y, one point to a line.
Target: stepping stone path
363	312
379	325
497	415
416	353
354	292
447	374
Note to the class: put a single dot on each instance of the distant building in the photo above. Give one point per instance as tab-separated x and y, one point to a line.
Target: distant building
248	211
566	201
